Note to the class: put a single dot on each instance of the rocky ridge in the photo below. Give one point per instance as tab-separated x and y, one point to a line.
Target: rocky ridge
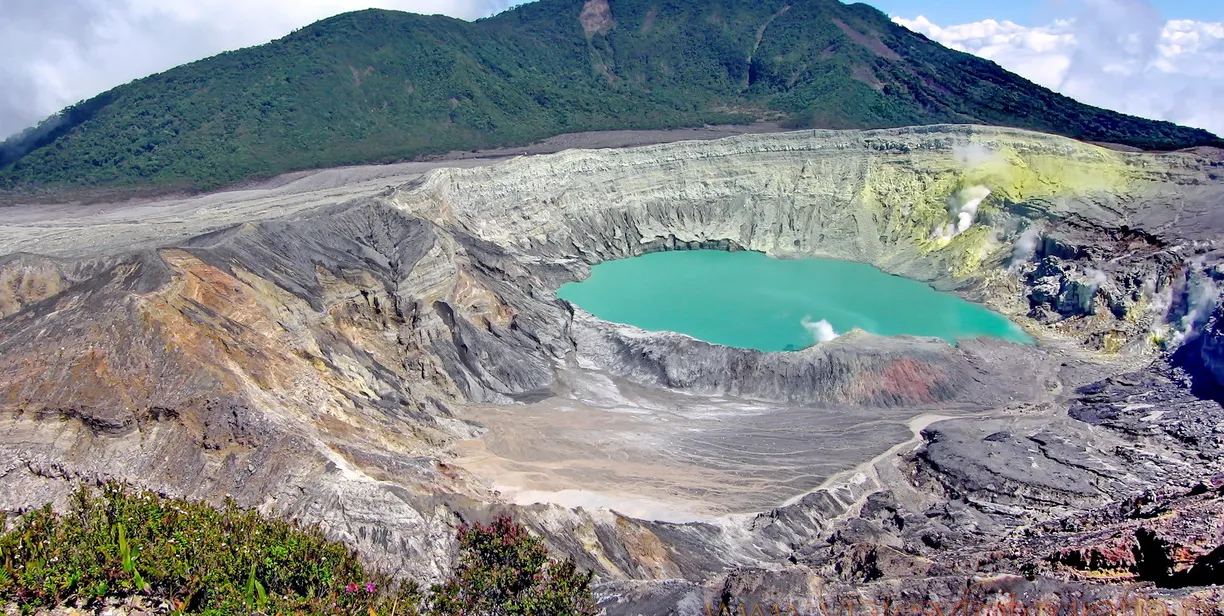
320	363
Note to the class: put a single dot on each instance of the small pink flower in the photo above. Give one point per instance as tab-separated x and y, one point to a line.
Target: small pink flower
370	587
351	588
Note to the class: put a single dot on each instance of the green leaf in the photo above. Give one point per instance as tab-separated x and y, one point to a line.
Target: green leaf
125	551
141	585
249	593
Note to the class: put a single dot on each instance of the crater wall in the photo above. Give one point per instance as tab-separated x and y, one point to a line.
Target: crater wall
321	358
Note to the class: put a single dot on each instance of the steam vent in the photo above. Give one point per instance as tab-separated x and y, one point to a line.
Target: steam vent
992	359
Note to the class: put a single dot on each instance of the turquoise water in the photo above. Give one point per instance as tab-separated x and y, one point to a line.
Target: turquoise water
746	299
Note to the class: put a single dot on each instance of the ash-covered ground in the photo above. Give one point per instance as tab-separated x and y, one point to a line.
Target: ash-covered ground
381	351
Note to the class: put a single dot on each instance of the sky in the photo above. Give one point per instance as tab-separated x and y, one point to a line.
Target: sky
1161	59
1119	54
1032	13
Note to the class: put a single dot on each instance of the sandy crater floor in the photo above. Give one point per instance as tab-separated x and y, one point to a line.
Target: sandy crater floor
671	456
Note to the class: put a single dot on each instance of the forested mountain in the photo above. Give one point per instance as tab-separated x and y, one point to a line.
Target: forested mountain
375	86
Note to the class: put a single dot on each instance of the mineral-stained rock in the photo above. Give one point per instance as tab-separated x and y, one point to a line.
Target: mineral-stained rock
323	362
1172	539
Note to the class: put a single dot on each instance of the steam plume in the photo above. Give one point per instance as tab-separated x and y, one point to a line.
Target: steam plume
821	331
1096	278
1025	247
1201	298
1183	322
969	200
971	155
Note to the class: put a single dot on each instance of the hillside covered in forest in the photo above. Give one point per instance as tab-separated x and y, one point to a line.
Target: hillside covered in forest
381	86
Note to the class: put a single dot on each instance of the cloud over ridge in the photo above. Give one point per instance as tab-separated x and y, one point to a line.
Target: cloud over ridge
1117	54
59	52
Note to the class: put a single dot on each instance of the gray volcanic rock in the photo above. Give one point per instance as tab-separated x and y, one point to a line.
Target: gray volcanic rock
332	358
1059	293
857	369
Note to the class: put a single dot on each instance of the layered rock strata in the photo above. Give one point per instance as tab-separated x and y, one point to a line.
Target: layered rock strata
324	361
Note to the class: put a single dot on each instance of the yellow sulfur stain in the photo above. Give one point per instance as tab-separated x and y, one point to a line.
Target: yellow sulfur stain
913	198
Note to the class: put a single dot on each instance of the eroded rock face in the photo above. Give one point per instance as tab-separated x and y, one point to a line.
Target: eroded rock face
323	363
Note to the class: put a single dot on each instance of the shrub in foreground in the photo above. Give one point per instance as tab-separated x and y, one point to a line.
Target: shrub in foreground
118	542
505	570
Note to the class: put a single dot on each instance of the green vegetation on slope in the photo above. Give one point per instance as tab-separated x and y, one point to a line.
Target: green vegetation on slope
197	559
379	86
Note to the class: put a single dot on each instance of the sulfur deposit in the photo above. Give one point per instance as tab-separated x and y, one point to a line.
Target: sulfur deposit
388	357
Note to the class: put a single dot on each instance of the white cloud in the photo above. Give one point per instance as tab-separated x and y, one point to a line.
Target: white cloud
58	52
1117	54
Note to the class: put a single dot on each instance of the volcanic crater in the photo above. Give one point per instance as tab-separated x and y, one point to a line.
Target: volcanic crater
384	353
